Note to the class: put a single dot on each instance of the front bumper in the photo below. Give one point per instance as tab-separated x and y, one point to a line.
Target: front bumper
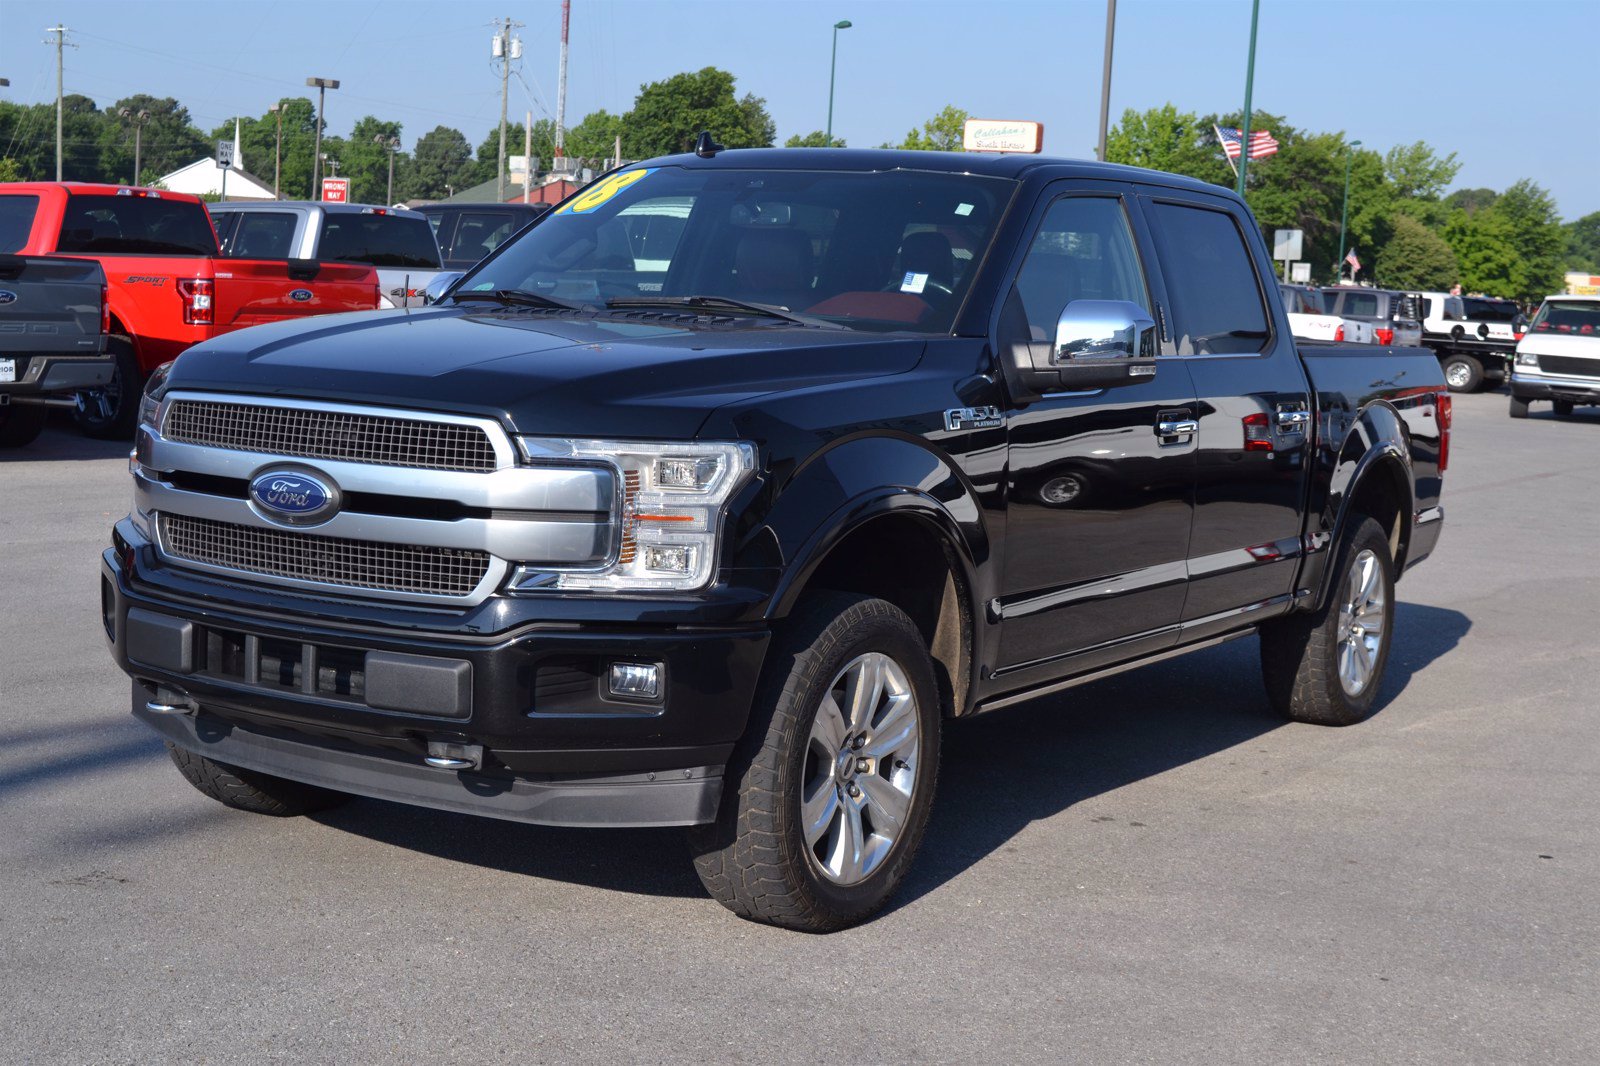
1555	387
355	707
49	375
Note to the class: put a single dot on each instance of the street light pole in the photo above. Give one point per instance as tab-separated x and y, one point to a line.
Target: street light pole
391	145
1344	212
322	85
1105	80
833	66
277	148
1249	84
139	118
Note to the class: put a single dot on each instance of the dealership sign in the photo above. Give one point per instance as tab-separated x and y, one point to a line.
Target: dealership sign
1001	135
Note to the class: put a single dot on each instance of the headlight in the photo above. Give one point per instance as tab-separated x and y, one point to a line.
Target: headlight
150	401
1527	359
670	509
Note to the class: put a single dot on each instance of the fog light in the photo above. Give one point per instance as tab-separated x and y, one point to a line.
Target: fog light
639	681
667	558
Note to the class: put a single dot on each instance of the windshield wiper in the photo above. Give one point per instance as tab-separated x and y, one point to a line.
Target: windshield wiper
522	297
718	303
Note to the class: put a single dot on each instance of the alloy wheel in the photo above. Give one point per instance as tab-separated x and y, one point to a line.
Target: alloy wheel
1362	618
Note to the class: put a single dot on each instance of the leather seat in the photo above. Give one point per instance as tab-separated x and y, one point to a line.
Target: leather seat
774	266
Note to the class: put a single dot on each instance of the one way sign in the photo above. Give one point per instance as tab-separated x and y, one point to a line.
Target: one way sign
224	155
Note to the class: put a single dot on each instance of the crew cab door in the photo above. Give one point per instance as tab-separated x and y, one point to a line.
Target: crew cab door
1100	483
1254	409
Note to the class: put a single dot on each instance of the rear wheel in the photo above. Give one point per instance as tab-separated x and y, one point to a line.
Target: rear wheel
1563	408
1463	373
109	411
250	790
1326	667
21	423
828	795
1519	407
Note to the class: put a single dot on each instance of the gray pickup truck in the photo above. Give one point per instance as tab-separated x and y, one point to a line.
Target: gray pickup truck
52	339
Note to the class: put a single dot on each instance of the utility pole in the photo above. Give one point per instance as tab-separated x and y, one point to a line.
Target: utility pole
322	85
277	149
505	49
60	42
138	118
391	144
1105	80
561	84
527	156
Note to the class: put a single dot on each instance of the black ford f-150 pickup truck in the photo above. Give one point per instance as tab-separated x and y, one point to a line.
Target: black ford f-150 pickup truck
710	497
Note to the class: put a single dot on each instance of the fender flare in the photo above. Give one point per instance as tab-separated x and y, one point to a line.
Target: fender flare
1385	455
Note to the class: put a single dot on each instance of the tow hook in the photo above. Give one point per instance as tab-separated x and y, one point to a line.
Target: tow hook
170	701
445	755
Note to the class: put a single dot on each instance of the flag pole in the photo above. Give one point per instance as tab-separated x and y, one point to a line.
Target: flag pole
1249	83
1224	146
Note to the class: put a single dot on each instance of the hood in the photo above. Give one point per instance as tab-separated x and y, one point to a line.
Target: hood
635	376
1560	344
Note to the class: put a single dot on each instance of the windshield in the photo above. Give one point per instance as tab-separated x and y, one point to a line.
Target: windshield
885	251
136	225
1568	316
380	240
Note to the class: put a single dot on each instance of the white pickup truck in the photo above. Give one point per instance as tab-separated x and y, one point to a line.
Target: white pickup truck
1310	321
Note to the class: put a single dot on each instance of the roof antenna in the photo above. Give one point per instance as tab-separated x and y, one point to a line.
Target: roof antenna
704	146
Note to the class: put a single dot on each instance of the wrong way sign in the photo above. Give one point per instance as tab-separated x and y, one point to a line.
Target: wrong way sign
336	190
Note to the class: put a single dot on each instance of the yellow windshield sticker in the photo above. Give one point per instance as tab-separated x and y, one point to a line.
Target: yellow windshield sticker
601	191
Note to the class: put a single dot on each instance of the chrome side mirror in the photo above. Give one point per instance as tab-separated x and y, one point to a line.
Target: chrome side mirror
436	288
1097	330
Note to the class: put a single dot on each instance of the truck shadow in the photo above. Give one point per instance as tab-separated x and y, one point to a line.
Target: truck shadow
61	441
1000	772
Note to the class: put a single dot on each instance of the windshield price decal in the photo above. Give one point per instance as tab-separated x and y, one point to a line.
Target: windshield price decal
603	190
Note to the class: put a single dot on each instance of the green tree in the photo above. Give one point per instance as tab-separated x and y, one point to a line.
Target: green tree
441	162
1484	242
668	115
9	171
1415	170
941	133
1471	200
167	141
1537	237
1164	138
1583	243
258	140
595	137
1416	258
365	161
814	139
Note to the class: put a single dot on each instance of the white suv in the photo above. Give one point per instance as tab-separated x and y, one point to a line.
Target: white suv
1558	359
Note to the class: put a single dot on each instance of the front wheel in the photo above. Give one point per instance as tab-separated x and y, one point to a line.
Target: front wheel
828	795
1325	667
1563	408
1463	373
251	790
1519	407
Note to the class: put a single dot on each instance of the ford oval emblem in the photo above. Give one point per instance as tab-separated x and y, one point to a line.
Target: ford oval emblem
293	497
7	297
300	295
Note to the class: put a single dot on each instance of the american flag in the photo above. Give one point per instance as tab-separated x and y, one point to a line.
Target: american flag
1262	143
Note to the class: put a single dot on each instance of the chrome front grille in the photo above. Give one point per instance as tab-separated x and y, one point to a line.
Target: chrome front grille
357	564
312	433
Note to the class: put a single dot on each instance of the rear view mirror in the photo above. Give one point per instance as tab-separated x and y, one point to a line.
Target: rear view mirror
1099	344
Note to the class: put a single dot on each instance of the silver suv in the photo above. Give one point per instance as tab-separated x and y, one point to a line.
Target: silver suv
400	243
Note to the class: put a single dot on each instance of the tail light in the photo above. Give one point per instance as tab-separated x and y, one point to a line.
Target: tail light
1446	417
1385	336
197	305
1338	334
105	309
1257	432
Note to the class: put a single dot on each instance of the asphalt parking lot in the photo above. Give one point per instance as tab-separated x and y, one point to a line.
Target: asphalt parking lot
1154	869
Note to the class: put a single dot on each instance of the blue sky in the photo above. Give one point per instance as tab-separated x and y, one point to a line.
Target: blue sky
1509	86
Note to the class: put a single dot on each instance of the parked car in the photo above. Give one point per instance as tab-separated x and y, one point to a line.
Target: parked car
1474	337
1310	321
165	289
1558	359
468	232
53	325
398	242
720	535
1395	316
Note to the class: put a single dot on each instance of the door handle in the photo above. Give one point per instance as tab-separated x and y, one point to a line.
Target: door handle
1177	430
1293	420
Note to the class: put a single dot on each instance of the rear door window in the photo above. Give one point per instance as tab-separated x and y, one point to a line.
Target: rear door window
16	221
1361	304
135	225
261	235
380	240
1216	297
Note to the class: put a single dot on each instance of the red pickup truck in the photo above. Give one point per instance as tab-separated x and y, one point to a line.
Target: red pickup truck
167	285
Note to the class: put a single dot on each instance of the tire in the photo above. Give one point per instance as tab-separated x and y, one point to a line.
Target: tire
1563	408
1322	667
250	790
21	424
1064	490
757	859
1462	373
109	412
1519	407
